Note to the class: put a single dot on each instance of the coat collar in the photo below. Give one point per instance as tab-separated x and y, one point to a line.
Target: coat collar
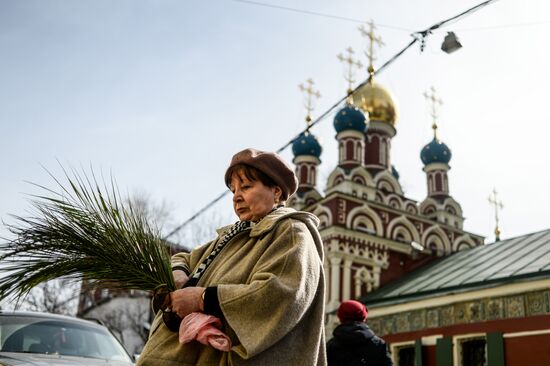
269	221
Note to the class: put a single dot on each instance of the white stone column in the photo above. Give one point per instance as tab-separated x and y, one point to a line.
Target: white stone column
347	280
334	282
376	270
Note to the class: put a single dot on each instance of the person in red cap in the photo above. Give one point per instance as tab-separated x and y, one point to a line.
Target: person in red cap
261	277
354	343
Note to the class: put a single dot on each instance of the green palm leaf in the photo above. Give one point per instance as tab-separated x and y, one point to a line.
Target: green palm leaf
85	231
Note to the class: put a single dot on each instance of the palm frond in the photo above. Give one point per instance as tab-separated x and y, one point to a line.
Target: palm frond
84	231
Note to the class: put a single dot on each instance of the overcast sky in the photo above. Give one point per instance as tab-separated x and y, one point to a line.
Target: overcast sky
161	93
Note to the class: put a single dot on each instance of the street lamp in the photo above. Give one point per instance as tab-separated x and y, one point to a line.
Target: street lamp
450	43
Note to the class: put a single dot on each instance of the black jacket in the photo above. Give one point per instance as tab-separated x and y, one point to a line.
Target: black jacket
355	344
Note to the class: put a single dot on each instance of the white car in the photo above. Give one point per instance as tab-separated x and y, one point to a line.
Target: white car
41	339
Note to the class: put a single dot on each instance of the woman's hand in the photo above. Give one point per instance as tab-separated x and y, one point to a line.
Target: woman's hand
180	277
187	300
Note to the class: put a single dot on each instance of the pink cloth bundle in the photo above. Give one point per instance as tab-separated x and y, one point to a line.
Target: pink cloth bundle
204	328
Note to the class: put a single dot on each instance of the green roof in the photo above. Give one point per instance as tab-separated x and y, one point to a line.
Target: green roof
525	257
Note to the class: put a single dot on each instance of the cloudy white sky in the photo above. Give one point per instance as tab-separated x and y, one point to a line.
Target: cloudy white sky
162	92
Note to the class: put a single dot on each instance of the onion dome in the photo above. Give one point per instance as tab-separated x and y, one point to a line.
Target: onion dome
350	118
306	144
435	152
378	102
394	172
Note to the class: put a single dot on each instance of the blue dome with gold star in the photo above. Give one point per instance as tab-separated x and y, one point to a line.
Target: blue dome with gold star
350	118
306	144
435	152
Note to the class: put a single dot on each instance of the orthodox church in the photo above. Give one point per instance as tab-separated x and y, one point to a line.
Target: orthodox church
373	233
434	291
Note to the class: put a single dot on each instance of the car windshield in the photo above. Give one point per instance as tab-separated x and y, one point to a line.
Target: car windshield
30	334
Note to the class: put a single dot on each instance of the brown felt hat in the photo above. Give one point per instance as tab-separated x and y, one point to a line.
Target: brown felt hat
270	164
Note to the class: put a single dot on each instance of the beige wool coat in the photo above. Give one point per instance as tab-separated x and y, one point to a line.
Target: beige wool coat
271	292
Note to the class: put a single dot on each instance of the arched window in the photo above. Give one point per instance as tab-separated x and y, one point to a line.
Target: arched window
303	174
438	183
349	150
372	151
359	179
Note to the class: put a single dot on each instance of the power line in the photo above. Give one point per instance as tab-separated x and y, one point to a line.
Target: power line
339	17
502	26
314	13
417	36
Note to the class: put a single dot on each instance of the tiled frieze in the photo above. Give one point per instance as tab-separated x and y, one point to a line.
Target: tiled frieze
536	304
514	306
485	309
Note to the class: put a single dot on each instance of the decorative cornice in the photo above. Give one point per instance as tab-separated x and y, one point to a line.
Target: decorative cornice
350	134
306	159
436	166
376	126
344	234
385	208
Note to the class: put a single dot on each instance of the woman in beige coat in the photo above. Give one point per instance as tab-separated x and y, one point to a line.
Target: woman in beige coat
262	277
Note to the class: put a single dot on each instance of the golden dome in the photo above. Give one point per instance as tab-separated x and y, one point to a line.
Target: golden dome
377	101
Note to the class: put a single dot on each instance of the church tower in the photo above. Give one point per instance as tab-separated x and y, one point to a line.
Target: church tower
307	152
350	123
378	102
436	155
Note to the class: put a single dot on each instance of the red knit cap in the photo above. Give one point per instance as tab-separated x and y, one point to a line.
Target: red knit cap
352	311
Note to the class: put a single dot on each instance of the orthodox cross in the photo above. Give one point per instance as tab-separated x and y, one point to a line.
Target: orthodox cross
350	63
309	94
498	205
372	39
434	101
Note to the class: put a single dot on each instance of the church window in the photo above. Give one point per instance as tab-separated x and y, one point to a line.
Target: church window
349	151
462	246
372	151
430	209
451	210
303	174
405	355
394	202
438	183
385	186
359	179
402	234
472	351
363	223
436	244
411	208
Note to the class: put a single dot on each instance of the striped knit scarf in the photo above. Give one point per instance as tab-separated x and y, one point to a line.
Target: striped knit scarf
237	228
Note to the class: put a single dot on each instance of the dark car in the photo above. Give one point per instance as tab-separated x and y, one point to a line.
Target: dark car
41	339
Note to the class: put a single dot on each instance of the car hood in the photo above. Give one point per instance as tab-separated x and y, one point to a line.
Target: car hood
31	359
